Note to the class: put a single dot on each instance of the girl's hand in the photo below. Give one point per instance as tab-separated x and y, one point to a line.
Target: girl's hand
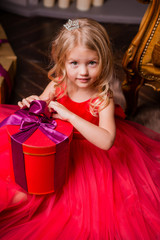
61	111
26	101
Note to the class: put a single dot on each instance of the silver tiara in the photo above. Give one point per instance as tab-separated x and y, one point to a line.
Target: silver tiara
70	25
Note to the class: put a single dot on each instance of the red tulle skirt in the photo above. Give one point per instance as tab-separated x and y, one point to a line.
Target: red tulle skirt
108	195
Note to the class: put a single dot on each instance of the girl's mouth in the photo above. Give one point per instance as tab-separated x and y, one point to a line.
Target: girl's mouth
83	79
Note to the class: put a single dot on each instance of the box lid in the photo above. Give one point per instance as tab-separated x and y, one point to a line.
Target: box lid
38	143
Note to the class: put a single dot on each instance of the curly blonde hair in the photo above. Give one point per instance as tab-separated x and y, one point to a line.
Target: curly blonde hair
93	36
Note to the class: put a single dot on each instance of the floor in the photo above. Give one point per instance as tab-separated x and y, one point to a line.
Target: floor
30	38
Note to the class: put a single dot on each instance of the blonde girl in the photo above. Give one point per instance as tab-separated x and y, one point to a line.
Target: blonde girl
90	40
113	185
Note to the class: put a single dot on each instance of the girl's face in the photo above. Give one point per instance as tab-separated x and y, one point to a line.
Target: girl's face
82	67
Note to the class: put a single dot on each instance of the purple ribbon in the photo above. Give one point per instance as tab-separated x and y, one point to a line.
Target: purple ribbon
4	73
3	41
30	120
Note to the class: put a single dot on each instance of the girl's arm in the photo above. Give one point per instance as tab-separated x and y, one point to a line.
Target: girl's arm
101	136
47	95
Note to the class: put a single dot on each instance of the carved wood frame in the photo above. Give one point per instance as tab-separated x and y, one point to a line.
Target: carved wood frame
132	60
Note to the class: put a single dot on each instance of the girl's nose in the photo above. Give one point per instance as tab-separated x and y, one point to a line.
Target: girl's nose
83	70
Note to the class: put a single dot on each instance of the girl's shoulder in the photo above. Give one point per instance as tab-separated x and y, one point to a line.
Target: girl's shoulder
113	110
108	109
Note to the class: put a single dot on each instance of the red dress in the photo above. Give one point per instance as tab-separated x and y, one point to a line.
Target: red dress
109	195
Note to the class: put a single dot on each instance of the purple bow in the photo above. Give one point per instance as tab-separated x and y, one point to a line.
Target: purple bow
30	120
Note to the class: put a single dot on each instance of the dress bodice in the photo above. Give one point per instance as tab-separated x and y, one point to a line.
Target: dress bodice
82	109
79	108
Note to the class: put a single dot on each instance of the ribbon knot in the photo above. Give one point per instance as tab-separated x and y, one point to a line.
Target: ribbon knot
38	116
28	123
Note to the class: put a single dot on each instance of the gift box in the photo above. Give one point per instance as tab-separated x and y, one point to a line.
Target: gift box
6	49
6	78
39	150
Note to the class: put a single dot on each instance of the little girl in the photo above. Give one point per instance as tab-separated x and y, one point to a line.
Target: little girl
112	191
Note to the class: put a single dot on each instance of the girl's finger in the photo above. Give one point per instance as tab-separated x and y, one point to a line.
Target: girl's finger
20	104
32	98
25	103
55	115
52	104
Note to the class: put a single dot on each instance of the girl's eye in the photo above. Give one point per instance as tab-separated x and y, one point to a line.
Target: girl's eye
92	63
74	63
